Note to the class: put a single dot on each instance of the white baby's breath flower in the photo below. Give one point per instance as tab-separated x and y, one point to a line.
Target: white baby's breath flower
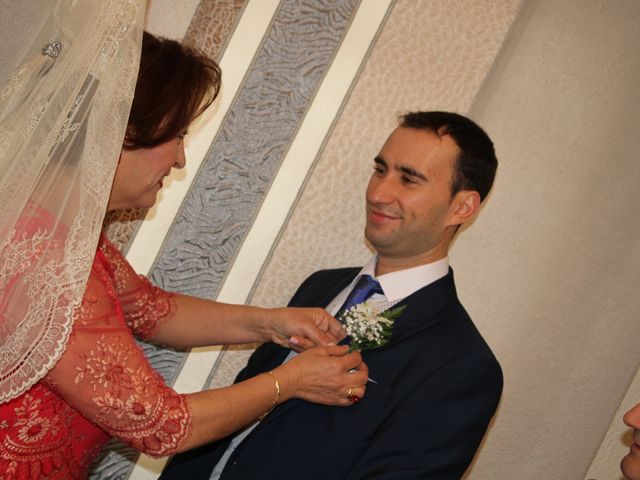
367	326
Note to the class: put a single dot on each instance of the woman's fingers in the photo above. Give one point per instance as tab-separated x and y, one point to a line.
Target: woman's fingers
299	344
323	328
334	350
354	361
357	375
336	329
355	394
303	328
326	374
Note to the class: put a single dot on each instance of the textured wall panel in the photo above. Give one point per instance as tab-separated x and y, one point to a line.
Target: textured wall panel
230	362
250	145
121	226
430	55
247	151
115	462
212	25
170	18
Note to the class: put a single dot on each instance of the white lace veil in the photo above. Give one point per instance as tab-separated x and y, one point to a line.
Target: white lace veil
67	75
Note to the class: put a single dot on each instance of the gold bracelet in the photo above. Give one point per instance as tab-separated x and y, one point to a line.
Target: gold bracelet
275	398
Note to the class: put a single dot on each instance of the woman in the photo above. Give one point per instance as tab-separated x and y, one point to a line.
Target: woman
102	385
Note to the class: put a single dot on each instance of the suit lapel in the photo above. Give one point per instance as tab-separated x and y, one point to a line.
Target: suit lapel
323	287
421	311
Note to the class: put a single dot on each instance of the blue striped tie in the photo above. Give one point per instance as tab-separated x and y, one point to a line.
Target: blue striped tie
364	288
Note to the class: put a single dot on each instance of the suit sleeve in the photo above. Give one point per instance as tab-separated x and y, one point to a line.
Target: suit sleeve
435	431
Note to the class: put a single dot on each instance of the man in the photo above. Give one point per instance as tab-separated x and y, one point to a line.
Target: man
630	464
435	385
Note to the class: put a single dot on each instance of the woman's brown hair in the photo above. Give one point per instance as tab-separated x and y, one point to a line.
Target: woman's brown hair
175	85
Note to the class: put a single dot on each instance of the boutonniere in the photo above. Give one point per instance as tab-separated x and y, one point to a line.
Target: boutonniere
367	326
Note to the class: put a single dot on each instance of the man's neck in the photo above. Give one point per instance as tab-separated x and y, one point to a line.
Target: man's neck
389	264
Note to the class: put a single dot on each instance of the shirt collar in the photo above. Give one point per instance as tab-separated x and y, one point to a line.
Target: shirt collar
401	284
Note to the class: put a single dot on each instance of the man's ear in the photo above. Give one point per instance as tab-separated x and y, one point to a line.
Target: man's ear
464	206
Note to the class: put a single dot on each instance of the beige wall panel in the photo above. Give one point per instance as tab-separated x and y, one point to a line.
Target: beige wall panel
170	18
550	271
430	55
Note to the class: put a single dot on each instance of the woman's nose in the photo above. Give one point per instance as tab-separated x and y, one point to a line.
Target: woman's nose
181	159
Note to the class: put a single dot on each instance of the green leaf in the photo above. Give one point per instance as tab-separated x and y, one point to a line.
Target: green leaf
393	313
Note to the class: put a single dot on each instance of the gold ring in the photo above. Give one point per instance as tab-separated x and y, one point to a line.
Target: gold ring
352	397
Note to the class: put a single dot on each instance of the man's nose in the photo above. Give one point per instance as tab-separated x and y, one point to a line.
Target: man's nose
380	190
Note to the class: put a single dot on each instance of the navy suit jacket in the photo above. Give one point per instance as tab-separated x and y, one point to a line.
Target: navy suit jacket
438	387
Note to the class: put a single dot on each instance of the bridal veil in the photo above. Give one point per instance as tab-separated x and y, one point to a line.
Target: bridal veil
67	75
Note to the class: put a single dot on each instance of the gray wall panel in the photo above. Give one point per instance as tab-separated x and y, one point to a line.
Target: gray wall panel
237	171
254	137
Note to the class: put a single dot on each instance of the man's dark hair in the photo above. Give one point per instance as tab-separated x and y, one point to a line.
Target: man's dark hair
175	84
475	168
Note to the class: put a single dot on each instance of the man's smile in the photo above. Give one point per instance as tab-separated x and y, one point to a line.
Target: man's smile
380	216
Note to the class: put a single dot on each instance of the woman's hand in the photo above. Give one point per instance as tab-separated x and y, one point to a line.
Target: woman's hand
303	328
326	375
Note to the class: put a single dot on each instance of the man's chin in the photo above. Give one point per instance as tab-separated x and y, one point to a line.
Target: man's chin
378	240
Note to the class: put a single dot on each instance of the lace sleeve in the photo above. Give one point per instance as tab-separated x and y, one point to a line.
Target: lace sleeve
105	376
145	306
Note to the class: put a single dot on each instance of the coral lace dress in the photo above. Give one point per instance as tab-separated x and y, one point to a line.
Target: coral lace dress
102	386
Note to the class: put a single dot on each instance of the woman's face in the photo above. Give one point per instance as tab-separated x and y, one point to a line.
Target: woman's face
630	465
140	173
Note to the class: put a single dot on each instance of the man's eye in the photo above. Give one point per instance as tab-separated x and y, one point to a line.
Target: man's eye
407	179
378	169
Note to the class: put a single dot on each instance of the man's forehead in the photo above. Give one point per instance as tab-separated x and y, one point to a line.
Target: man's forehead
412	144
